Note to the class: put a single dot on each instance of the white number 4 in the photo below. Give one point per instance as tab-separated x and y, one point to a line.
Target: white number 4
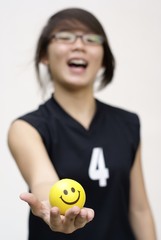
97	168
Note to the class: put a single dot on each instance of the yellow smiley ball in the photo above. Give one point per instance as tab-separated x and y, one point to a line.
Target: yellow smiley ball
67	193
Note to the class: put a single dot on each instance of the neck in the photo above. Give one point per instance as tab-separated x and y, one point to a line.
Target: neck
78	104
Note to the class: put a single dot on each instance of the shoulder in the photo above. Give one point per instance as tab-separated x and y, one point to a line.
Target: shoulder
119	114
124	122
37	119
39	115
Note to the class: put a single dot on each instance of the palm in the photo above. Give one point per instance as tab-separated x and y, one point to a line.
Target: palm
74	218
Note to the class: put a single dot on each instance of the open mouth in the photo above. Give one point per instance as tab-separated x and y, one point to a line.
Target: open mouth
77	63
71	203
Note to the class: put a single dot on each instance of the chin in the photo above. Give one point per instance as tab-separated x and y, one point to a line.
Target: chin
75	86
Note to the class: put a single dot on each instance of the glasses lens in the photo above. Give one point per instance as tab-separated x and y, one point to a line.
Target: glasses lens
69	37
93	39
65	37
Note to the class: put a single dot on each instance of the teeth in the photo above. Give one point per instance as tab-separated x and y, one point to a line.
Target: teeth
78	62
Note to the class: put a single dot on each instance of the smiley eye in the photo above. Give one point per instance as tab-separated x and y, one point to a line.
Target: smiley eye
73	189
65	192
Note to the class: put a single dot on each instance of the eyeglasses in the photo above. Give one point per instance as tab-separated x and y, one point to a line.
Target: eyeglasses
69	37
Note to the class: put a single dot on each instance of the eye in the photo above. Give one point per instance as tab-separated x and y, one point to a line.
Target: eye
73	189
91	38
94	38
64	36
65	192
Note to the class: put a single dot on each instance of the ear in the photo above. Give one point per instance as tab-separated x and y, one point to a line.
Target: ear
45	60
100	72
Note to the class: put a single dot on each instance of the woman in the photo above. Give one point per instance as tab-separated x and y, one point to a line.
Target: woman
73	135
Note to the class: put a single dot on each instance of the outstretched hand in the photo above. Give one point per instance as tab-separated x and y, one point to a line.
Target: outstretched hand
73	219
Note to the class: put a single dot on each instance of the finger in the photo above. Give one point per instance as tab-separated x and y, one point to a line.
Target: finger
86	215
33	202
68	220
81	219
71	214
55	219
90	214
29	198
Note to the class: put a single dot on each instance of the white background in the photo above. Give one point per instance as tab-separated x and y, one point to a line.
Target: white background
134	31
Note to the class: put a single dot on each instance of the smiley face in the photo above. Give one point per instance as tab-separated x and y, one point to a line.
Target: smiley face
67	193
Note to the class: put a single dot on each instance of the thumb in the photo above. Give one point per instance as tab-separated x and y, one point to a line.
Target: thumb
33	202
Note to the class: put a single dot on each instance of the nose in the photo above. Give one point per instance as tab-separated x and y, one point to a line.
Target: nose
79	38
78	43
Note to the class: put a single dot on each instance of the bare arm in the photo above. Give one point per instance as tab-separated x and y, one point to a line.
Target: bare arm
140	212
35	166
31	157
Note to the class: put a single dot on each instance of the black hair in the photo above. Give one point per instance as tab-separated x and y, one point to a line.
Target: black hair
84	18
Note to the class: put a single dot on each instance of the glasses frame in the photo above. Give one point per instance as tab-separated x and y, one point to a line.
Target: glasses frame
84	37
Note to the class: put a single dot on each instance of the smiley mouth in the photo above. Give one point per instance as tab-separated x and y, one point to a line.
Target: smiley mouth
71	203
77	62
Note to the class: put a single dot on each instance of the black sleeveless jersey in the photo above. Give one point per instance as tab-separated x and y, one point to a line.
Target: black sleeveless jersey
100	158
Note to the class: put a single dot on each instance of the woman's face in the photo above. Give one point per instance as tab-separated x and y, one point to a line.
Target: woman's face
74	65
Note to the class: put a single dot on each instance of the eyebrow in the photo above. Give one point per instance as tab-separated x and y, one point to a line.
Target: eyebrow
72	28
